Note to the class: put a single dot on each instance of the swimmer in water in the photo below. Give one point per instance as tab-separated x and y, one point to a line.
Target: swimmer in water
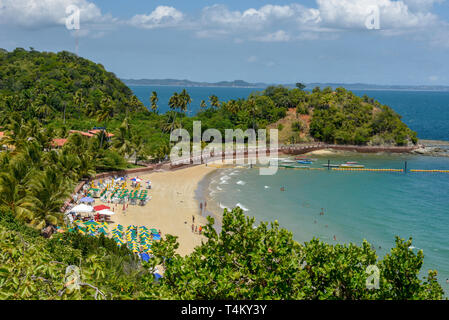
335	238
322	212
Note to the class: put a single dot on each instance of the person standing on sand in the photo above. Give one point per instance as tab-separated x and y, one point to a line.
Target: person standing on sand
201	207
193	227
193	219
196	229
199	230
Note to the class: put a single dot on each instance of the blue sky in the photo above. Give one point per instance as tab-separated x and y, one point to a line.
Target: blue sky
256	41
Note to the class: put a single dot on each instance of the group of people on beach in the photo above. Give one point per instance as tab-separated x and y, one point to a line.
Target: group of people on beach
195	228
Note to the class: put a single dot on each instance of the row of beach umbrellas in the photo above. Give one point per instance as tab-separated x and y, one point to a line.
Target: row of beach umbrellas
101	209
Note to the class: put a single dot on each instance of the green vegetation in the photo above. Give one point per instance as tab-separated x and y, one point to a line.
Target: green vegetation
44	95
47	85
240	262
63	91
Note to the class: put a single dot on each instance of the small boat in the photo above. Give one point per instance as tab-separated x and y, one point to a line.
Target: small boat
293	166
351	162
347	165
286	166
288	161
305	161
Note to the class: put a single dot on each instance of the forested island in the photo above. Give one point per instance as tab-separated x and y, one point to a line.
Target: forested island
65	118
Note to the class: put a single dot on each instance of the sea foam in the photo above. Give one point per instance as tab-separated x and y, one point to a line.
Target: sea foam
241	207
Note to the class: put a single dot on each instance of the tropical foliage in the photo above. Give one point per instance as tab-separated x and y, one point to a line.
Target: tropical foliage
243	261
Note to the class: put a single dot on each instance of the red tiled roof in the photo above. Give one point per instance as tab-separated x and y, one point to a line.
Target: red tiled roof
87	134
58	142
95	131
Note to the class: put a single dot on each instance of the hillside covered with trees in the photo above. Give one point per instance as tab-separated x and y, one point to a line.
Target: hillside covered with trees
45	95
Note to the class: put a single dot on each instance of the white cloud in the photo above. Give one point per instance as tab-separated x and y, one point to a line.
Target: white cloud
45	13
255	19
162	16
40	14
278	36
352	14
329	19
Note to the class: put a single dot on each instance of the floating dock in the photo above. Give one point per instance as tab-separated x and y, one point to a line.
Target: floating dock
368	170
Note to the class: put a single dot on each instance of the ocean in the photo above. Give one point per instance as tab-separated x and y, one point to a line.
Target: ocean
357	205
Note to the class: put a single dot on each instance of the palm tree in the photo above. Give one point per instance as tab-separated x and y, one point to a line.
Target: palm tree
122	139
154	100
185	100
13	183
106	110
105	113
67	164
43	108
86	168
48	191
78	98
174	103
214	102
138	147
252	110
203	105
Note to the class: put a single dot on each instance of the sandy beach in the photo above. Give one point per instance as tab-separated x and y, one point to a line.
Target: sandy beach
171	208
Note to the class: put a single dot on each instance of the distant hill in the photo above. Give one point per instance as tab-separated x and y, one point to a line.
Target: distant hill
309	86
188	83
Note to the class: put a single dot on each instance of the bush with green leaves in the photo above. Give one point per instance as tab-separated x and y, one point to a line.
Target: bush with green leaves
248	261
242	261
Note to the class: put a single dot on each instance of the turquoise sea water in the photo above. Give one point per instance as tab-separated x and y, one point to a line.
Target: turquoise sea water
357	206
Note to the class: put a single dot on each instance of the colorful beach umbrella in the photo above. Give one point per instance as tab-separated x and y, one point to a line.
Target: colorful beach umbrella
106	212
82	208
91	223
87	200
101	207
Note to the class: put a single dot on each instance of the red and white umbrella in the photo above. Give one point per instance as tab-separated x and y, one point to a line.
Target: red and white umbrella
101	207
106	212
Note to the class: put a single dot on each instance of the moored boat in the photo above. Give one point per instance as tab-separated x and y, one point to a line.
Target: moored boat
347	165
305	161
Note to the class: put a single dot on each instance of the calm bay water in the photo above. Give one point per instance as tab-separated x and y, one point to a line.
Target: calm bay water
357	206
